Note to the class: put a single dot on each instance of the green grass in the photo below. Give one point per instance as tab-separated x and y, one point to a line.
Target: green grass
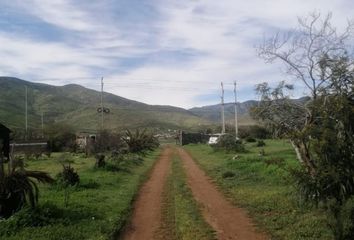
262	185
97	208
181	215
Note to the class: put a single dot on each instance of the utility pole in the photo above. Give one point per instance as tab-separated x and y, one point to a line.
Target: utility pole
236	123
26	117
102	112
222	109
42	121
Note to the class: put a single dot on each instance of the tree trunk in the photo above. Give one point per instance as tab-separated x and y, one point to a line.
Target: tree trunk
303	155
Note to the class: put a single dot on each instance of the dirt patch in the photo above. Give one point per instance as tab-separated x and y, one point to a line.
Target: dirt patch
228	221
146	218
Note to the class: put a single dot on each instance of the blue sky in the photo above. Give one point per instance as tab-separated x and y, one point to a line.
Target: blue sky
171	52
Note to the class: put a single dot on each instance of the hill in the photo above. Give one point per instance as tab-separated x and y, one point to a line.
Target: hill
213	112
77	106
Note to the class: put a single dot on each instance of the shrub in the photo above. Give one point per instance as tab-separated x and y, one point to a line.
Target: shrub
275	161
68	177
123	162
100	160
228	174
140	141
61	137
108	141
136	159
188	138
250	139
260	143
229	143
43	215
254	131
18	188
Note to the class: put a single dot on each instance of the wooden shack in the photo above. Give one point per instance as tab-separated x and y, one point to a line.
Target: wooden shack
4	141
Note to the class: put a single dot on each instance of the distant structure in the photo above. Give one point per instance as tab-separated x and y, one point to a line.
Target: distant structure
5	141
85	139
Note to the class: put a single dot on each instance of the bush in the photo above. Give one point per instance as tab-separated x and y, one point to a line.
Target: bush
254	131
123	162
229	143
108	141
275	161
250	139
61	137
140	141
260	143
228	174
68	177
188	138
100	160
18	188
43	215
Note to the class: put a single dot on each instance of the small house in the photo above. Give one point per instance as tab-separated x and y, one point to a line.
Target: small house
4	141
83	139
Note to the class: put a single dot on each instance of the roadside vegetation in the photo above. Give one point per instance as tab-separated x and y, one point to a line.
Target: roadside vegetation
89	191
317	57
260	181
181	216
95	208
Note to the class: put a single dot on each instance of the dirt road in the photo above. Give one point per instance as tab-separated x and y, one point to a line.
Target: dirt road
147	215
228	221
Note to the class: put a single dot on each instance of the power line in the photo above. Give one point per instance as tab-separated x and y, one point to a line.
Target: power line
120	78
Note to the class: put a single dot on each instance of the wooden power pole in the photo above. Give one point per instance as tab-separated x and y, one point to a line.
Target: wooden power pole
26	115
222	109
236	122
102	112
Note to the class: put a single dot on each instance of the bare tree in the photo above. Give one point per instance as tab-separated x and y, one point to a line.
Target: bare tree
307	50
309	54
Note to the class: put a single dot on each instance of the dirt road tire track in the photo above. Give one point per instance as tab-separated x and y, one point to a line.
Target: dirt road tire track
146	218
228	221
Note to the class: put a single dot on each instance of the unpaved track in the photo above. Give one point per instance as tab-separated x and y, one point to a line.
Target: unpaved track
228	221
146	218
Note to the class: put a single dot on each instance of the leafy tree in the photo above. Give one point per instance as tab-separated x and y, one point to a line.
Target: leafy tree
61	137
109	141
321	128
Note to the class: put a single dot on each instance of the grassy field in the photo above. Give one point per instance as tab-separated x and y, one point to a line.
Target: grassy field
96	209
182	218
262	185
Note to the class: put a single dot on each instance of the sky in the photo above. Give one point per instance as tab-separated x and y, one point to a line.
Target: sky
164	52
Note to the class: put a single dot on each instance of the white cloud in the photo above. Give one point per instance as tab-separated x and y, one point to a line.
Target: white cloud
184	52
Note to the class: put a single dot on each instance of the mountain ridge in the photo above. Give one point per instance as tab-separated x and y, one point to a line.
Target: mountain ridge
78	105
